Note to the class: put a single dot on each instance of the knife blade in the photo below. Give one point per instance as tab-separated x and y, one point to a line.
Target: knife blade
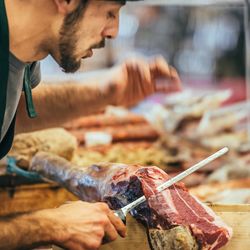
122	212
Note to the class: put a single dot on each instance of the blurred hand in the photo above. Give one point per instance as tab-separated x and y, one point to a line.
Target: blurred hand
136	79
83	226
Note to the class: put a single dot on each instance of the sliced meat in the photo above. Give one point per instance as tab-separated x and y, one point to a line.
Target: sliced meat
104	120
121	133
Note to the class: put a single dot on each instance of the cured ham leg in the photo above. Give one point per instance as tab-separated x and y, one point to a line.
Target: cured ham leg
119	184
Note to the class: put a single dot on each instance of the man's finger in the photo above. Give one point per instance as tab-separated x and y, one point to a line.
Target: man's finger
160	67
110	233
175	78
147	85
118	224
164	73
166	87
134	89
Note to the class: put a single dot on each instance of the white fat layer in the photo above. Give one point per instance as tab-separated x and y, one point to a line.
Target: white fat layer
168	197
217	220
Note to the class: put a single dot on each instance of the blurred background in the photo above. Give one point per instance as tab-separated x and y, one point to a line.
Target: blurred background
205	44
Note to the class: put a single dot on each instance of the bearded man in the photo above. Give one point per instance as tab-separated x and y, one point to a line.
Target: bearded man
68	30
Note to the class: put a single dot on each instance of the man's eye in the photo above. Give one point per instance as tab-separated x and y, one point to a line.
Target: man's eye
111	15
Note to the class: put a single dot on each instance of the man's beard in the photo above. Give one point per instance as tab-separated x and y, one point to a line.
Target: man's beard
67	46
68	61
68	42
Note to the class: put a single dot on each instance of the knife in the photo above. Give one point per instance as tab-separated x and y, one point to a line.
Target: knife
122	212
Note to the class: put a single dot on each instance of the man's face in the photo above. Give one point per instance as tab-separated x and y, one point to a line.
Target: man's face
86	29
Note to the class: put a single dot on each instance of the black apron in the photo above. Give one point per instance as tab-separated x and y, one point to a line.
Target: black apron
6	143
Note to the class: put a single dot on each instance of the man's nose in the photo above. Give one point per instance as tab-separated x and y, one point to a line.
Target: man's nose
111	31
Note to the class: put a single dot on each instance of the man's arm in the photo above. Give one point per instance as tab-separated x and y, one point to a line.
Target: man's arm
124	85
68	226
24	232
56	104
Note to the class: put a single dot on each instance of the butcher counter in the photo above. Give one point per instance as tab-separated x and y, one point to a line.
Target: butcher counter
25	198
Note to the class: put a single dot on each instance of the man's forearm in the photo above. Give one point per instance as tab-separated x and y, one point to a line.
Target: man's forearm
57	104
25	232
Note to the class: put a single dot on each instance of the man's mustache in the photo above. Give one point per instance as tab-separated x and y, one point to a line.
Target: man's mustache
99	45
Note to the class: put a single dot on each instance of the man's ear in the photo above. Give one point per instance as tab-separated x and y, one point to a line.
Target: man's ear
66	6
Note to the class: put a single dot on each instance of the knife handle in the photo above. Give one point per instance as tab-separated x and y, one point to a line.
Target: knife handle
119	213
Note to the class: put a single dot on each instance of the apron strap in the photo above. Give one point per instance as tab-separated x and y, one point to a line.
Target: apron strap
28	94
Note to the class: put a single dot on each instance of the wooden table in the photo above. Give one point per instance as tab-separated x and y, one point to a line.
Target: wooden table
236	216
34	197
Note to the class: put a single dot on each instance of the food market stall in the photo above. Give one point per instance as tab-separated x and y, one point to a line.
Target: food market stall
172	135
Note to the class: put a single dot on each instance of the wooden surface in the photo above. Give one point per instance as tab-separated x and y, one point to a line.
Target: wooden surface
240	222
32	197
236	216
230	208
136	238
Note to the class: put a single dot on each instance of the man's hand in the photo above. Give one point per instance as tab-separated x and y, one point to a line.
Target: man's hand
84	226
136	79
75	226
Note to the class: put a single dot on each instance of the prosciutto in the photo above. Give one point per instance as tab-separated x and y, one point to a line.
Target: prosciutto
120	184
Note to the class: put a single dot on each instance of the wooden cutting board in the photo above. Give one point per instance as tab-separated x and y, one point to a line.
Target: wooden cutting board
236	216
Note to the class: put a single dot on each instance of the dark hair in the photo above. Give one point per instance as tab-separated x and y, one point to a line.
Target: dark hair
74	16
